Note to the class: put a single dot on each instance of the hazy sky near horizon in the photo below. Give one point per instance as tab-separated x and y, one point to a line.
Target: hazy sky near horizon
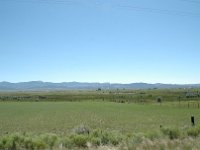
118	41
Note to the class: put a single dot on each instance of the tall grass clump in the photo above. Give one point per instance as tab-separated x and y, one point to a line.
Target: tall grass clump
12	141
99	137
19	141
172	133
79	140
194	131
50	139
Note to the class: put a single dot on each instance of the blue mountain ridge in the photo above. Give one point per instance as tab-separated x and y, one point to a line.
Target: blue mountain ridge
40	85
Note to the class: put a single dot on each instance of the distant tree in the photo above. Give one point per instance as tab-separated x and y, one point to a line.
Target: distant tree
179	98
159	99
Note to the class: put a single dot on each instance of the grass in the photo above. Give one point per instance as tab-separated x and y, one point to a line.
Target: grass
98	139
113	95
62	117
116	119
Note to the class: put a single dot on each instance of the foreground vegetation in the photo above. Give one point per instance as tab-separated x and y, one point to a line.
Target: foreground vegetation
83	138
117	119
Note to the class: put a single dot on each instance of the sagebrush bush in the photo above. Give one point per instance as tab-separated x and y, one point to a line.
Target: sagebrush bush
172	133
152	135
95	141
12	141
39	144
194	131
96	133
82	129
68	143
50	139
79	140
166	138
104	137
28	143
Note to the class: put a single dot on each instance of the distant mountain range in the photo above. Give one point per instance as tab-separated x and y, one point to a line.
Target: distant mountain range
39	85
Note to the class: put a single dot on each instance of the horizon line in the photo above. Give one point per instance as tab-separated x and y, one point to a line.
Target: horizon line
101	82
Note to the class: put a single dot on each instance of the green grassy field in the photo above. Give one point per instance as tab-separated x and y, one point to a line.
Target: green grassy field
123	119
61	117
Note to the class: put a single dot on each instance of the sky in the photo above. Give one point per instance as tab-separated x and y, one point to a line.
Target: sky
116	41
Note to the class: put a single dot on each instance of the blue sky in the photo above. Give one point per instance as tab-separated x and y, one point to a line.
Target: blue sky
117	41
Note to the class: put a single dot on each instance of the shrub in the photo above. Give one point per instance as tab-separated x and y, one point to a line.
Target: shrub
79	140
172	133
68	143
82	129
39	144
96	141
99	137
12	141
10	144
96	133
105	138
1	144
28	143
115	139
50	139
153	135
159	99
194	132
